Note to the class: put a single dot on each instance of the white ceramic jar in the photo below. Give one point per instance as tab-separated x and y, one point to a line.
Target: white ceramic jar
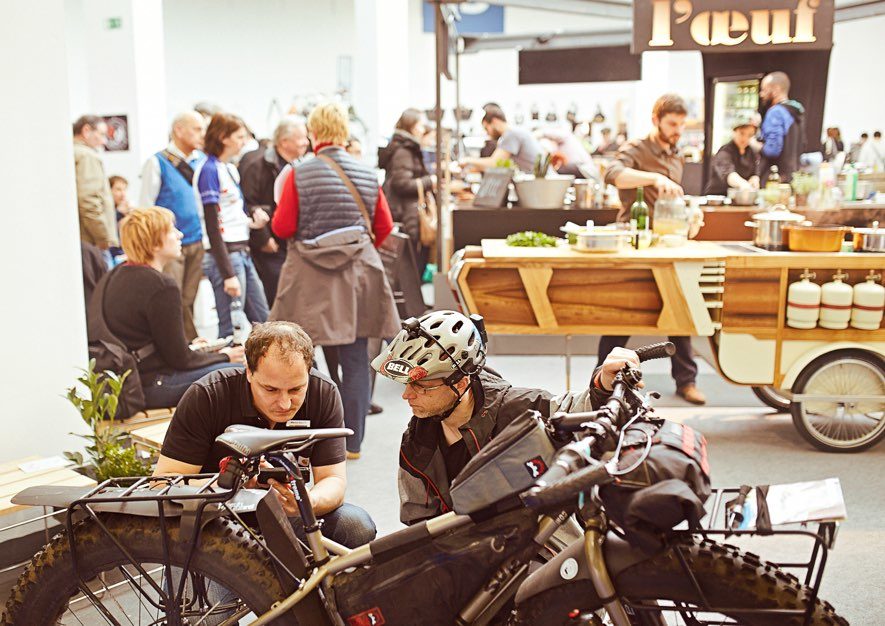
835	303
869	301
803	302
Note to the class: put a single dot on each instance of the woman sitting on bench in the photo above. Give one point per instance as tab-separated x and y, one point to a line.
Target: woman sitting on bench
142	307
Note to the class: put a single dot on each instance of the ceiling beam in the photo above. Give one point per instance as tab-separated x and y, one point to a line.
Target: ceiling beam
615	9
547	41
860	10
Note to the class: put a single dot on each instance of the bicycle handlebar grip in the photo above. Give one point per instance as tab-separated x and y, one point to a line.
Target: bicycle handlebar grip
660	350
565	489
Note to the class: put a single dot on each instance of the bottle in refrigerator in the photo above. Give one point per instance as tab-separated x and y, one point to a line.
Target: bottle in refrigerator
835	303
869	301
803	302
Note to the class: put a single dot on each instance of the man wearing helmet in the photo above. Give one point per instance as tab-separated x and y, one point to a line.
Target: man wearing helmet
458	406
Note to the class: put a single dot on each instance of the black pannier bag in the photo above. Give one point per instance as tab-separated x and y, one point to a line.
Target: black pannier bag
405	581
666	488
508	465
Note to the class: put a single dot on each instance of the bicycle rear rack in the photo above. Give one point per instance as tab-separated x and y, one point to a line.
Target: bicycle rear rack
822	534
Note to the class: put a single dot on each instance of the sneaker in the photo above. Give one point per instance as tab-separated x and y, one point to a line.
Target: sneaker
352	456
374	409
690	393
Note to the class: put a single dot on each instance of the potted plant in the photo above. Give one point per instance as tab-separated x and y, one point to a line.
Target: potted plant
803	184
541	191
107	452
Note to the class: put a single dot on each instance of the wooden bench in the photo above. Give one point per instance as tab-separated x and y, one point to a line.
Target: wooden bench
14	479
142	419
150	438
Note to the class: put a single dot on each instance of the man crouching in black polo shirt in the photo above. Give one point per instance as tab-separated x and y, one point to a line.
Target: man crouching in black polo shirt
278	389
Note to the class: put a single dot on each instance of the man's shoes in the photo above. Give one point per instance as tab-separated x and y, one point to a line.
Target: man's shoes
352	456
374	409
690	393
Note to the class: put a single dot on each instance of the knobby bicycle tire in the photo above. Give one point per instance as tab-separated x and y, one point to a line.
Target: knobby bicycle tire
226	554
728	577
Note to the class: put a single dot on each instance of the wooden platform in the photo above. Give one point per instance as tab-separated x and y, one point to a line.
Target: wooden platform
142	419
150	437
13	480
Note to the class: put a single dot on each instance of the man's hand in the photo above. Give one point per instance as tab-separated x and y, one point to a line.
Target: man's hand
613	363
260	218
667	188
286	497
271	247
232	287
754	182
235	354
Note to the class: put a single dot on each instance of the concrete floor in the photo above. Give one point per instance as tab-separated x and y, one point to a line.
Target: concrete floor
748	444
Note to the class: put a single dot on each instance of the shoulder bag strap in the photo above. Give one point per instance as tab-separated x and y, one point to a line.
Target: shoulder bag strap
182	166
422	199
98	324
353	191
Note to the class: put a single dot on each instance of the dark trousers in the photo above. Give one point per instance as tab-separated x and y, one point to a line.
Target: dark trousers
269	267
348	525
354	361
167	389
683	368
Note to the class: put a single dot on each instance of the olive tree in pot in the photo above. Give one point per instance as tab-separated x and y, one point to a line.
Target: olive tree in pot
107	452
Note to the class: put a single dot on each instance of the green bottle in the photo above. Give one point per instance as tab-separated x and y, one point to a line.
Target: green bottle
639	210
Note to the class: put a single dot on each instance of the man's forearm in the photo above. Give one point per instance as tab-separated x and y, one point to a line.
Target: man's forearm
327	495
481	163
629	178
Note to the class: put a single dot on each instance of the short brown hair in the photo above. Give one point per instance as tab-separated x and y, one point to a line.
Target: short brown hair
113	180
668	104
329	123
289	338
142	230
493	112
222	126
87	120
409	119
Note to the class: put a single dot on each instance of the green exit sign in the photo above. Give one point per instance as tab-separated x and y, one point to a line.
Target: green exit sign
115	22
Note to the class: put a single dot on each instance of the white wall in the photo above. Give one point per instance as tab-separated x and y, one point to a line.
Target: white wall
243	55
856	89
44	337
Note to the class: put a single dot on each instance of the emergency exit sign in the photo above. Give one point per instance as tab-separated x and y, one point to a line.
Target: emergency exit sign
115	23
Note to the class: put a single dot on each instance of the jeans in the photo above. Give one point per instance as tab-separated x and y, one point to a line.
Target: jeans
254	300
269	267
354	388
683	368
348	525
167	390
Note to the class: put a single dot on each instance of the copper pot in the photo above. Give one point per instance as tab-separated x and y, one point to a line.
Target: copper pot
801	238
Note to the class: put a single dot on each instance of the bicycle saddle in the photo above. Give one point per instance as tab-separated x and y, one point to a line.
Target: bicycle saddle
253	441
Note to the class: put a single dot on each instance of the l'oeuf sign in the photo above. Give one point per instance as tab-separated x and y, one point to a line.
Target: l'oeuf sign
732	25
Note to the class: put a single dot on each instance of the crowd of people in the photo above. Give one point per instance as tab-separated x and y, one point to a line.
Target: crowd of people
290	233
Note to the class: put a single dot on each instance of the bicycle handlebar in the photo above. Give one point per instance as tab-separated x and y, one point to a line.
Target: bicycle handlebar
660	350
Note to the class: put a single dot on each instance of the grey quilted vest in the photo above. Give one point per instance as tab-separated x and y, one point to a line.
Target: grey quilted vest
324	203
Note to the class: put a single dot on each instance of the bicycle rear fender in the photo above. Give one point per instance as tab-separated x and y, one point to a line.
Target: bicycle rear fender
570	566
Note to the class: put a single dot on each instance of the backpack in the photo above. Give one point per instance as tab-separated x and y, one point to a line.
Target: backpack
110	353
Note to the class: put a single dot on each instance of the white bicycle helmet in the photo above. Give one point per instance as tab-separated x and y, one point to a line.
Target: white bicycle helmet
442	344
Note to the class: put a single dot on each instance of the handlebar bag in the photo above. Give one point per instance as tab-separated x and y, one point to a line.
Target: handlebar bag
662	490
508	465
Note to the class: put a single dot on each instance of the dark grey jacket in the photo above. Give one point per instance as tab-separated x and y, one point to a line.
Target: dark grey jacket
423	482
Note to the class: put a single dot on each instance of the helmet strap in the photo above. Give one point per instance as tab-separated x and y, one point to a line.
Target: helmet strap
441	417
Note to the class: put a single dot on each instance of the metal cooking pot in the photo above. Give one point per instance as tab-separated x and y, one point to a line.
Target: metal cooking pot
743	197
768	227
869	239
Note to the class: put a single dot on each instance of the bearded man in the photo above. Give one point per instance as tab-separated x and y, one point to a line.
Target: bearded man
655	163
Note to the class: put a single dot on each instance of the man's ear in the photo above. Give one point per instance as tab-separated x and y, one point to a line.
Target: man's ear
462	384
248	374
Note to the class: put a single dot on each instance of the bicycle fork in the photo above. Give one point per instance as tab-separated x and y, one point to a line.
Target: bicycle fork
594	535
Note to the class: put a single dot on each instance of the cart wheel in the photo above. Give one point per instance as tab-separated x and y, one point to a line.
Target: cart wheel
777	399
835	425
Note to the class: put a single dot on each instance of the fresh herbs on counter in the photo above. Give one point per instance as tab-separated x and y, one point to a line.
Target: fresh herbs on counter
531	239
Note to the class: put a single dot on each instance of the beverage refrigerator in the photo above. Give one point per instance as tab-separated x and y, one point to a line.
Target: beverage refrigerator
733	98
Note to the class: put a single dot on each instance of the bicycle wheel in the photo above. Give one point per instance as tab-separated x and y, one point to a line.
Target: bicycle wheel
728	578
850	417
230	575
777	399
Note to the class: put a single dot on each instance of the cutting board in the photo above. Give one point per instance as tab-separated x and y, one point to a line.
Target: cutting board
498	249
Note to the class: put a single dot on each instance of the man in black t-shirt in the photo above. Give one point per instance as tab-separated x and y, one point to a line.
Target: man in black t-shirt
279	390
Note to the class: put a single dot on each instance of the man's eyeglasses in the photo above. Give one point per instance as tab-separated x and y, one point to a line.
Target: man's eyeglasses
422	391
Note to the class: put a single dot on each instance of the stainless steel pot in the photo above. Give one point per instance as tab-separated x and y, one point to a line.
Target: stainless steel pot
869	239
742	197
768	227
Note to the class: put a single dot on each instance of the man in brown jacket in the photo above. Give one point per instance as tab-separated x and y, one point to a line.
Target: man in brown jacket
98	224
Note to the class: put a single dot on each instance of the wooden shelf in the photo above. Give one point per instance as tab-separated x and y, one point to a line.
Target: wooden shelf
826	334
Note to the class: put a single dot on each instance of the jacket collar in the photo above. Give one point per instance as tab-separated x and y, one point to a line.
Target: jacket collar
488	396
